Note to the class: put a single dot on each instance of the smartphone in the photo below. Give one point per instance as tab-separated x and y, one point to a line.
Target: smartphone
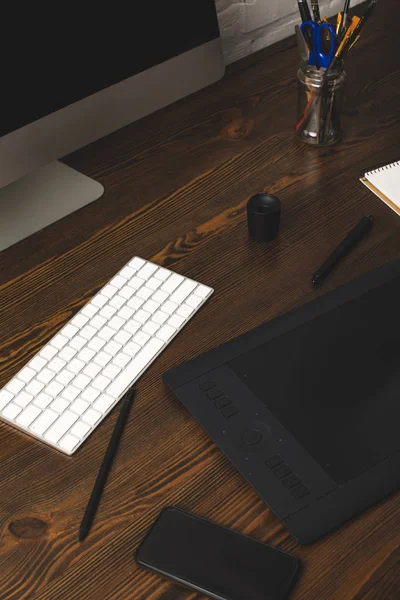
215	561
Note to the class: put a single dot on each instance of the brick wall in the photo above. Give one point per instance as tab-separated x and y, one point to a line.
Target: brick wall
249	25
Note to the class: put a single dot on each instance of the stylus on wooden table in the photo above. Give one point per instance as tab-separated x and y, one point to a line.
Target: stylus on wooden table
355	235
102	476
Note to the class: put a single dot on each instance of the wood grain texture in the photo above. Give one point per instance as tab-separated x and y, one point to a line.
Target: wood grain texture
177	183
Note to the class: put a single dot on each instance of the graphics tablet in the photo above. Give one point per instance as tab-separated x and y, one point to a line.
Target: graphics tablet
307	406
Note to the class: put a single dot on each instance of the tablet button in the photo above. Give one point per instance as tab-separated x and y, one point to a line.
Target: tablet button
300	492
207	385
229	411
291	481
274	461
282	471
215	393
221	402
252	437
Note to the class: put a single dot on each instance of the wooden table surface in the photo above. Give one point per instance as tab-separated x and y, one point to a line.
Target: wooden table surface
176	185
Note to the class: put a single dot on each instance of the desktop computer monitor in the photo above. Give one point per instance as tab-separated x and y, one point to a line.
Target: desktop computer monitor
70	77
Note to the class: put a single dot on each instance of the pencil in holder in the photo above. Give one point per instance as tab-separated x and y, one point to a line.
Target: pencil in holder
320	100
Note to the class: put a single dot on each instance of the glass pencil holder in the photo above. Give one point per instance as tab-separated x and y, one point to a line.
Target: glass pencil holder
320	99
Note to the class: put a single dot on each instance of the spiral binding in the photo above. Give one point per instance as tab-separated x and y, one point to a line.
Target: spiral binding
384	168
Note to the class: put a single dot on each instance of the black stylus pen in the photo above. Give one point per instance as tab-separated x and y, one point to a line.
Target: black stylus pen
106	465
355	235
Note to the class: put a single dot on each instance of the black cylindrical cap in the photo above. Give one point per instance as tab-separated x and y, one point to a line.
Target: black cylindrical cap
263	217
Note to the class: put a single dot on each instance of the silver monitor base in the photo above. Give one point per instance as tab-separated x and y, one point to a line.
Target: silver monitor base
41	198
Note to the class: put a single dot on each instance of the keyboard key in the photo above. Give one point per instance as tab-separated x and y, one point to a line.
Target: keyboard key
176	321
142	316
160	296
77	342
82	381
122	337
70	393
131	349
91	416
194	301
88	332
151	306
121	360
76	365
34	387
138	363
97	322
11	411
141	338
44	421
116	323
112	348
70	330
125	313
48	352
5	398
59	341
202	291
183	291
54	388
135	303
26	374
96	344
136	263
68	442
43	400
166	332
86	355
109	291
89	310
127	273
118	281
56	364
101	382
117	302
160	317
61	426
14	386
79	406
103	403
45	375
79	320
169	307
172	283
153	283
144	293
107	312
150	327
28	415
90	394
132	327
22	399
111	371
92	370
67	353
80	429
185	311
65	377
102	359
59	405
106	333
162	274
136	283
99	300
127	292
37	363
147	270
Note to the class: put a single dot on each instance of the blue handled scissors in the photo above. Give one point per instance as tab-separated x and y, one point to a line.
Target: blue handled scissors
322	40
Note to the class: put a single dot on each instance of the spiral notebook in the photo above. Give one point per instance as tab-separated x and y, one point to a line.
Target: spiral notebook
385	183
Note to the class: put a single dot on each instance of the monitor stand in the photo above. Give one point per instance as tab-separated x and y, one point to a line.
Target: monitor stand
41	198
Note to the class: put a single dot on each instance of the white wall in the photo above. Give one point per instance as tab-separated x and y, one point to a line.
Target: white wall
249	25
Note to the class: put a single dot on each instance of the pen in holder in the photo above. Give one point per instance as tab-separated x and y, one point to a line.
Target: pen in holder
320	98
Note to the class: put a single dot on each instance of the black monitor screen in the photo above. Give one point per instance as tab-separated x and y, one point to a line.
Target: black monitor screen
54	54
334	382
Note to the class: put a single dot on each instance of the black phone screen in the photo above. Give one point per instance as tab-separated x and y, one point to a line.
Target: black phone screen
214	560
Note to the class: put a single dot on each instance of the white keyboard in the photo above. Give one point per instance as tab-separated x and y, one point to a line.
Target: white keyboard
66	390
